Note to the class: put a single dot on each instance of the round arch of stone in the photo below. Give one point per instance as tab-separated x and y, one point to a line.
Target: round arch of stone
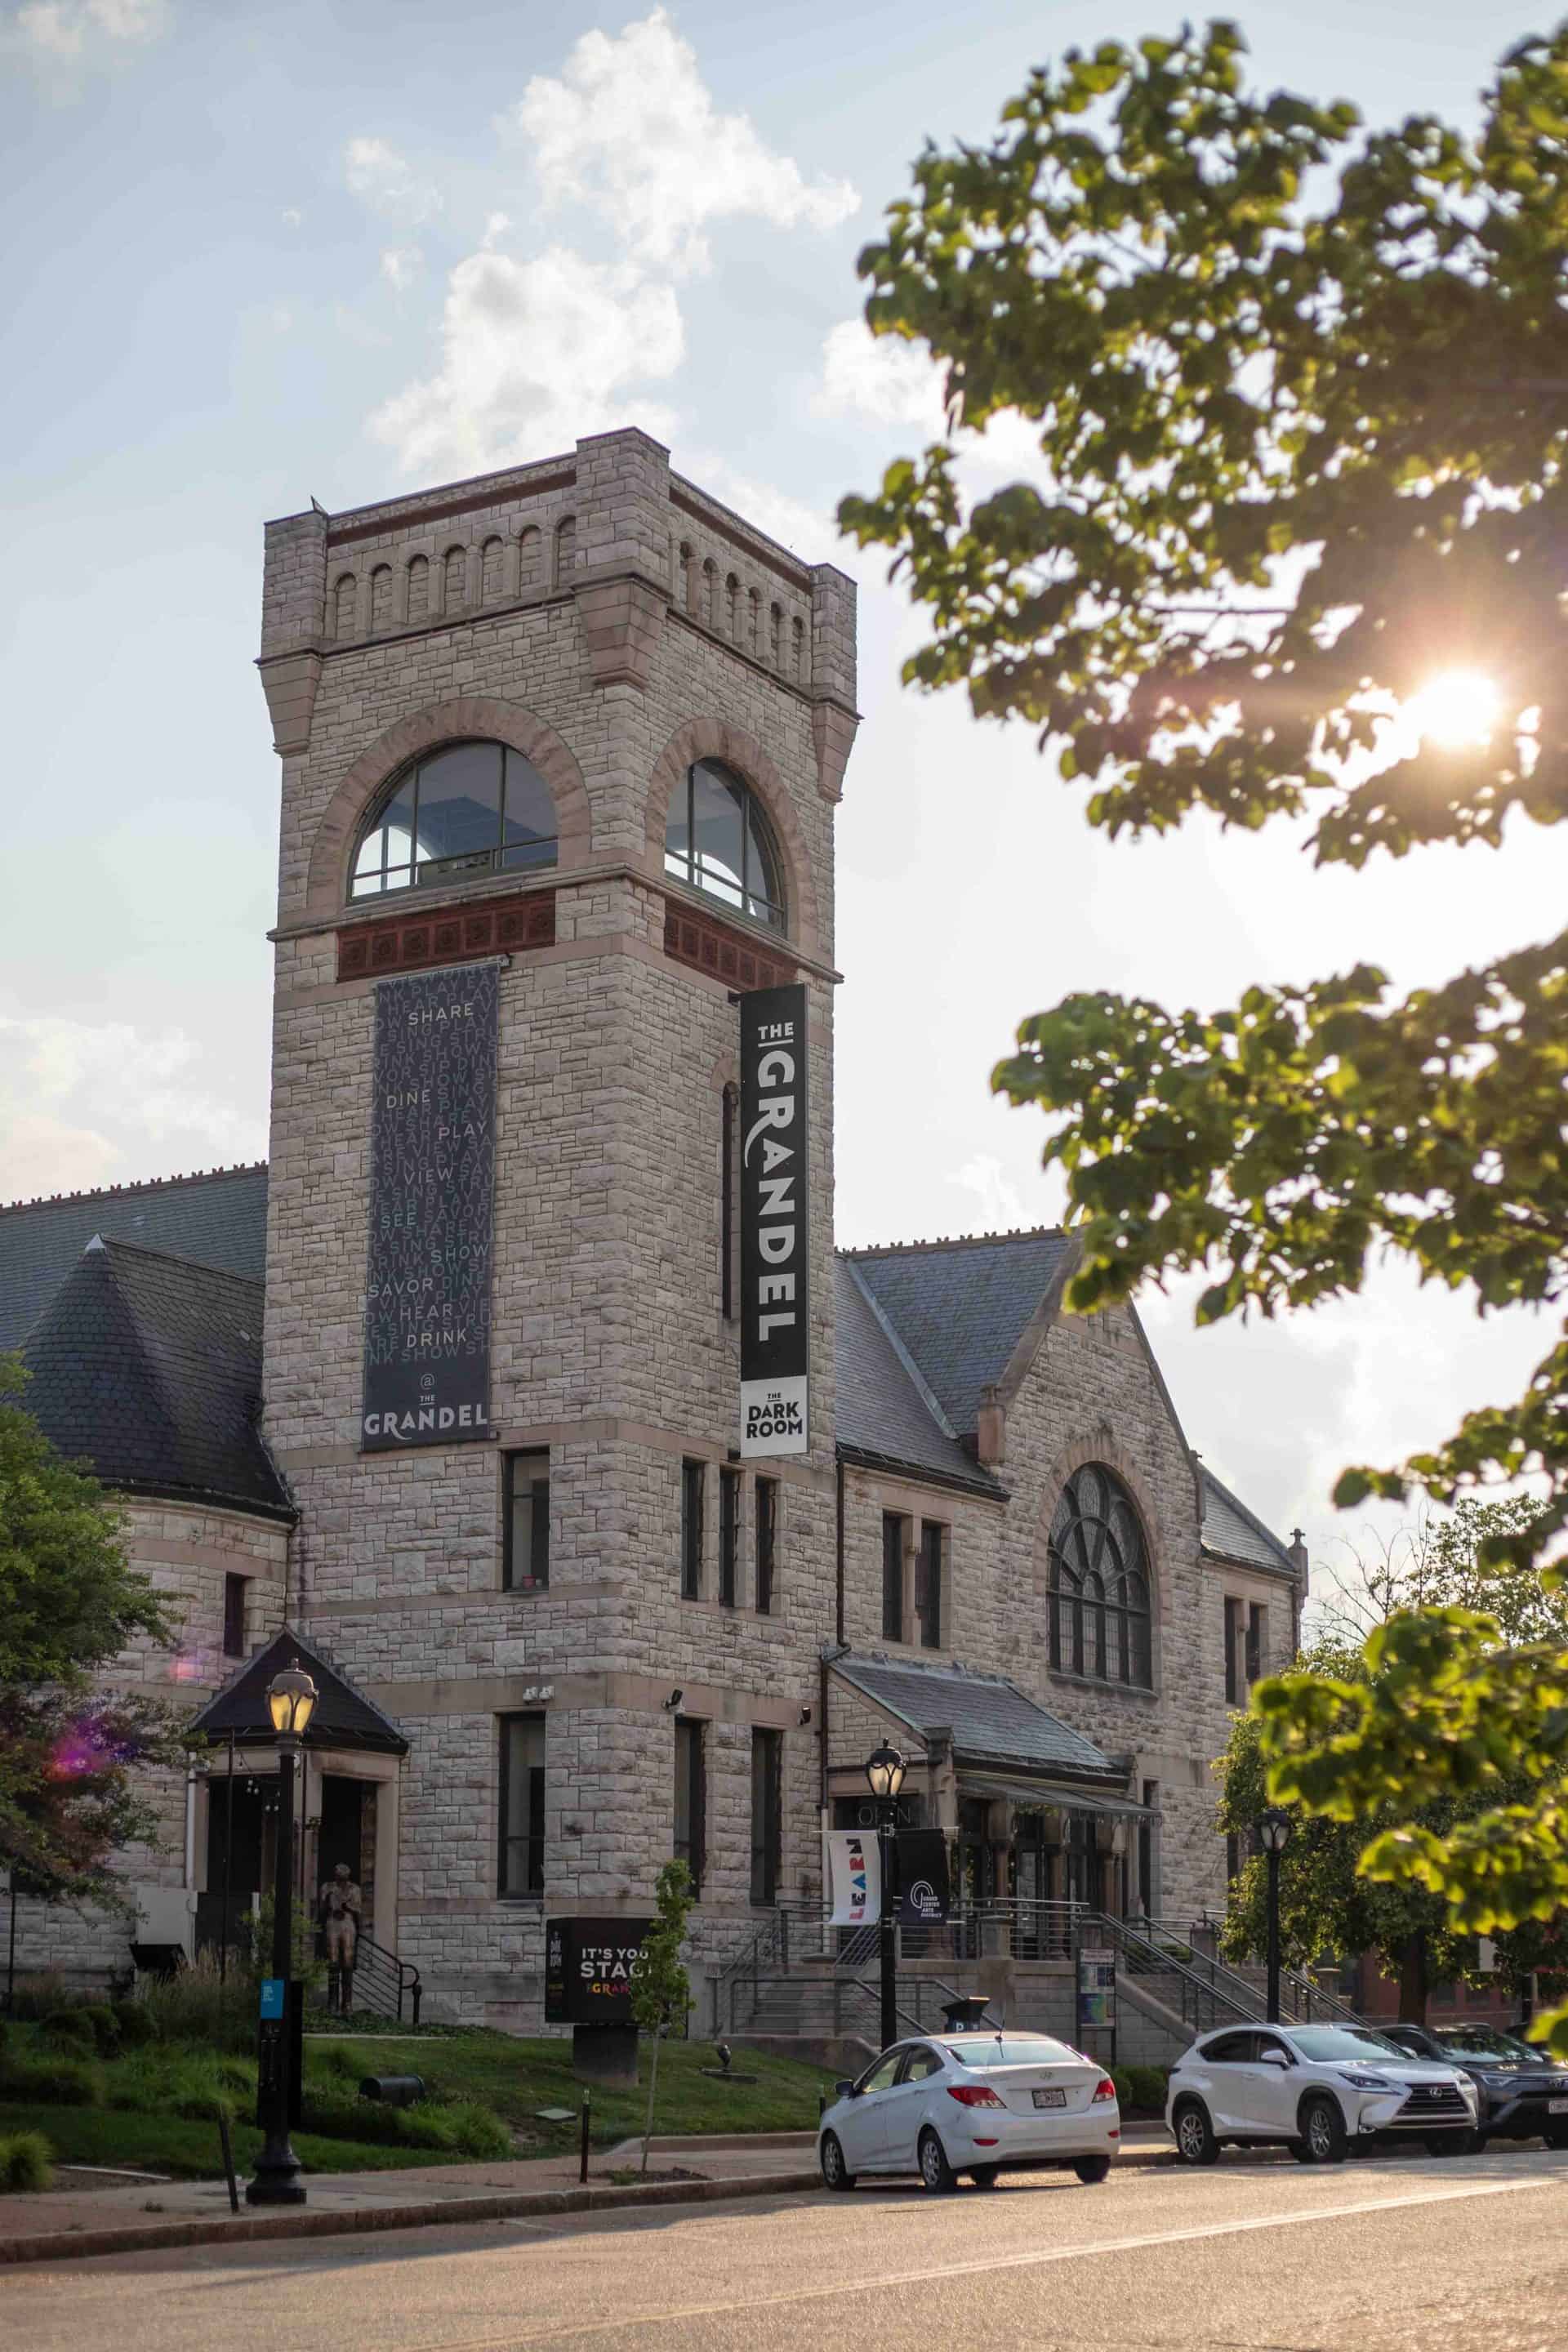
716	739
475	714
1103	1450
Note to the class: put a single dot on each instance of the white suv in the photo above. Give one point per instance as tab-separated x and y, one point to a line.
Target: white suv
1313	2089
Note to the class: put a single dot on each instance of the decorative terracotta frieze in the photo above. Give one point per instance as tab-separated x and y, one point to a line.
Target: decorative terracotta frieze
415	940
714	948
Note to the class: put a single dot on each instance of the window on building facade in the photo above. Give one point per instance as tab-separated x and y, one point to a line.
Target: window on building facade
691	1798
1235	1661
729	1535
1257	1643
767	1507
767	1814
525	1546
233	1616
1099	1582
693	1478
521	1871
892	1577
928	1583
718	841
470	808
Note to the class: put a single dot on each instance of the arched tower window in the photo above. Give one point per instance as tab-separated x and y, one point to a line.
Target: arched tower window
457	578
718	841
468	808
418	588
344	597
492	578
1098	1586
381	598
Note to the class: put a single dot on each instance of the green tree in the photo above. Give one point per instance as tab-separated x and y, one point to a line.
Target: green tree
1298	392
661	1989
72	1604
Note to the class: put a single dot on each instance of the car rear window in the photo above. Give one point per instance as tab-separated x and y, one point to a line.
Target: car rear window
1013	2050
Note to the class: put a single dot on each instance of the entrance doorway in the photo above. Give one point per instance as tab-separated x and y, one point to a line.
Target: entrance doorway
348	1834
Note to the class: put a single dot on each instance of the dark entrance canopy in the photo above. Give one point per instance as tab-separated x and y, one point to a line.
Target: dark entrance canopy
344	1718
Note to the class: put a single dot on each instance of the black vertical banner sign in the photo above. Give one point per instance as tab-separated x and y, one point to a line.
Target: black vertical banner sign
775	1306
432	1180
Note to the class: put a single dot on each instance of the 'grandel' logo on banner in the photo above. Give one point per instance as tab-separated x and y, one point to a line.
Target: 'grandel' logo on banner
776	1306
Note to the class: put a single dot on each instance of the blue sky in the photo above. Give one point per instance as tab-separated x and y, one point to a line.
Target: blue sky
254	253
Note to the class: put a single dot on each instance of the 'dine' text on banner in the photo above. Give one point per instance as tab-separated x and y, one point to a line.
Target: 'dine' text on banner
775	1308
432	1179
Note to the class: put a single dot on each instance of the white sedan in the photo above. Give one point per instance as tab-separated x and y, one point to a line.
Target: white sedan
1313	2089
972	2102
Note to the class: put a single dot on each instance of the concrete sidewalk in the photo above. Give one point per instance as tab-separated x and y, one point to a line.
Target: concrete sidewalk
142	2215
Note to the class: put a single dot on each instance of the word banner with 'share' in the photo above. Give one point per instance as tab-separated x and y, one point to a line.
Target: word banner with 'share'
775	1304
432	1185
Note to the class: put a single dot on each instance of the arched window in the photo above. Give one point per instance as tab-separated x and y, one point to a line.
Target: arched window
381	598
492	577
457	577
797	637
718	840
776	636
1099	1582
418	588
566	552
344	598
468	808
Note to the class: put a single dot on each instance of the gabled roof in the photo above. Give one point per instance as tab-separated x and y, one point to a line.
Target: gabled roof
885	1415
990	1718
961	1306
150	1369
344	1716
1230	1531
215	1219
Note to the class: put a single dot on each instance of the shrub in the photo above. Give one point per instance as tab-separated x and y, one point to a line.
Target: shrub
37	1996
1149	2087
1123	2082
135	2024
25	2162
464	2128
105	2027
198	2004
336	2115
70	2030
52	2082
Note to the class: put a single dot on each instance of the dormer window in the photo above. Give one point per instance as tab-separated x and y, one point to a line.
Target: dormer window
470	808
718	841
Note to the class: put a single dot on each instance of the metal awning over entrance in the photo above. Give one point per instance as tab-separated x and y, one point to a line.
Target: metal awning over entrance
1036	1795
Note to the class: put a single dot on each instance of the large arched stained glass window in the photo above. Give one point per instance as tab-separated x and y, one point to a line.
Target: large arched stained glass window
718	841
1099	1582
470	808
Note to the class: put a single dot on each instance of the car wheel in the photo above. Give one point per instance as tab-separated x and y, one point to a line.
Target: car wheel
1195	2142
1556	2135
1453	2142
835	2173
984	2175
1092	2169
935	2170
1322	2139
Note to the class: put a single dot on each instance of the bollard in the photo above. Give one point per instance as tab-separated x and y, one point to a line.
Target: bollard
583	2162
227	2144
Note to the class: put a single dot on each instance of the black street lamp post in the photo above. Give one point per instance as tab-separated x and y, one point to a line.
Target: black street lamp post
885	1771
1274	1829
290	1702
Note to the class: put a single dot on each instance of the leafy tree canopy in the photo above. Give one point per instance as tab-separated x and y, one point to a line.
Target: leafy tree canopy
1298	389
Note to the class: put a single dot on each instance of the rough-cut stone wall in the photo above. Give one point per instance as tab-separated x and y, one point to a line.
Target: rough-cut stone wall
187	1552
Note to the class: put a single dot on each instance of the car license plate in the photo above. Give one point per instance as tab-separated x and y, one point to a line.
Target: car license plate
1557	2107
1059	2099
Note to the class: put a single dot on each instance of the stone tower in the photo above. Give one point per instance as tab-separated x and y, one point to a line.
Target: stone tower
607	627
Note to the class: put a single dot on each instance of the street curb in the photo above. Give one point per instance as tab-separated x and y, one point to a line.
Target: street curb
143	2238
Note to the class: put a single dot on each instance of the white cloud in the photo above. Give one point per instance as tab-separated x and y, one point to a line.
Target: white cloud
1002	1206
536	353
632	131
387	182
292	217
74	28
879	377
400	265
83	1103
496	227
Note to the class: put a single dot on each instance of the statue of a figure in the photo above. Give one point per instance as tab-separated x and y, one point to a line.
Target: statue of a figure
338	1909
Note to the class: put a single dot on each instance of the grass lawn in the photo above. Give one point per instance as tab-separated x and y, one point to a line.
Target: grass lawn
189	2151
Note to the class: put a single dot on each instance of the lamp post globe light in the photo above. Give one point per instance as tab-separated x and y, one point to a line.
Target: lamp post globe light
290	1702
885	1773
1274	1829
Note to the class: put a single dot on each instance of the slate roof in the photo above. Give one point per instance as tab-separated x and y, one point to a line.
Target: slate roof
1230	1531
217	1219
960	1308
150	1369
989	1717
885	1413
344	1716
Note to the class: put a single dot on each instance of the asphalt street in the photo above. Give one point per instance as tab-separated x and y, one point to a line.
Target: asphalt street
1383	2256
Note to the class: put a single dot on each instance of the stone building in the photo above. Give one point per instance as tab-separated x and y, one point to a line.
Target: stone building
580	730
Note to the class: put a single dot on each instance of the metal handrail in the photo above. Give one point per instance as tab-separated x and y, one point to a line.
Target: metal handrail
1195	1989
374	1965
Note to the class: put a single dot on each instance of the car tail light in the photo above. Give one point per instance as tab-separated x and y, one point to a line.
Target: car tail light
974	2094
1104	2089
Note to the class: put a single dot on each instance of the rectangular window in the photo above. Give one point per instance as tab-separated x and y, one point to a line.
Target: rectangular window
692	1480
1234	1660
691	1798
525	1548
1257	1643
767	1493
928	1584
767	1814
892	1577
233	1616
522	1805
728	1535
